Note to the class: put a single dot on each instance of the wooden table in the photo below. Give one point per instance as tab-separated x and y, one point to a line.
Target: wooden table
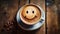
9	9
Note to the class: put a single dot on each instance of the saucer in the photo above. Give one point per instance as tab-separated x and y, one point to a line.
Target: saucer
32	27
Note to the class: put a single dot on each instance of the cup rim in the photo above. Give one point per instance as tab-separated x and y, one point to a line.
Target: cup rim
31	5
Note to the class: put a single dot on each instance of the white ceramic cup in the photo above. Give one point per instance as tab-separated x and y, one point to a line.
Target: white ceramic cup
39	21
30	14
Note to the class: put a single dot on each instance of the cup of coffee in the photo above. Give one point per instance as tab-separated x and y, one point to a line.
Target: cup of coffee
30	17
30	14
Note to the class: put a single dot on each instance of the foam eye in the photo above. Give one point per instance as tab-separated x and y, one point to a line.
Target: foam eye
27	12
32	11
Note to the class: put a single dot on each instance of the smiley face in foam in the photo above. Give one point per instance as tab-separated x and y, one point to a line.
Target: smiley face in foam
30	14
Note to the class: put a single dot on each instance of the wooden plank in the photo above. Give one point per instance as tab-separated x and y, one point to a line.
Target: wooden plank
52	20
8	10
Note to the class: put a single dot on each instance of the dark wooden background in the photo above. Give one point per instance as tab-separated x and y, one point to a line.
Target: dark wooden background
9	9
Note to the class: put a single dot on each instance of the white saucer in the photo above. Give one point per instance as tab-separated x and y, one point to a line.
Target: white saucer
33	27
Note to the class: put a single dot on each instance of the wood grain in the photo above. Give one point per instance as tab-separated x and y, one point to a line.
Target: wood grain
9	9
